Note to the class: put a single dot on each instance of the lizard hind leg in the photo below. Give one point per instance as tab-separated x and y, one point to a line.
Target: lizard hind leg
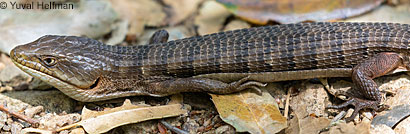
178	85
362	76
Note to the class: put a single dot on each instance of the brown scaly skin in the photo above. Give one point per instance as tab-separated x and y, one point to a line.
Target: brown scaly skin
88	70
362	75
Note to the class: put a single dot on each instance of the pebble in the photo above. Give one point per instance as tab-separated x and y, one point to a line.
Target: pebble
16	128
30	112
226	129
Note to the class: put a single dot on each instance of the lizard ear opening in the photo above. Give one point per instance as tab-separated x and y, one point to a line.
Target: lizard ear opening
95	83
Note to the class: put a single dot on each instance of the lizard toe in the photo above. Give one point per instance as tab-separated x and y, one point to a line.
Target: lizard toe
359	104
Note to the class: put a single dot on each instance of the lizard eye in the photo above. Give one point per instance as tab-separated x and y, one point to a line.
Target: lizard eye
49	61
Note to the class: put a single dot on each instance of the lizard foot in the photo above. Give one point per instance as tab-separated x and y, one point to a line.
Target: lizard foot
359	104
244	83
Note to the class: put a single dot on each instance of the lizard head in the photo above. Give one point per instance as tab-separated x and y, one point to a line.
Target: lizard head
61	61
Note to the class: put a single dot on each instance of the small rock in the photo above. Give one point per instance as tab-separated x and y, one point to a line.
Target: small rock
191	126
226	129
207	122
3	119
53	101
9	121
313	100
367	115
30	112
65	132
16	128
53	121
7	127
381	129
142	127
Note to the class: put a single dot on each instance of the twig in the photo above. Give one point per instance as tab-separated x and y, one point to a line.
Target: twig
172	128
334	121
287	103
33	122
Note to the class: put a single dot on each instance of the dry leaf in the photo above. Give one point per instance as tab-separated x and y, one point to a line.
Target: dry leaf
35	130
292	11
249	112
398	14
77	131
181	9
211	17
236	24
140	13
86	113
307	125
100	122
351	128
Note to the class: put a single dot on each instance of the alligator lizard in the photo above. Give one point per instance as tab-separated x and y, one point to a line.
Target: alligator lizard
88	70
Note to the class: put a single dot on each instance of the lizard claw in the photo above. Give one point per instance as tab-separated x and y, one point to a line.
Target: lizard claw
243	84
358	104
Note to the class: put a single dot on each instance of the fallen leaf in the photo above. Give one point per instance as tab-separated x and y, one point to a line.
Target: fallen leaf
398	14
86	113
307	125
351	128
236	24
35	130
103	121
292	11
249	112
211	17
77	131
139	13
181	9
119	33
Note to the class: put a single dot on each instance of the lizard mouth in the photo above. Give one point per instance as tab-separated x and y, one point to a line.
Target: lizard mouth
38	70
33	68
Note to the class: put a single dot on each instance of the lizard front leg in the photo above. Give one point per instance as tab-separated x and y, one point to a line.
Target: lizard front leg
178	85
160	36
362	76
